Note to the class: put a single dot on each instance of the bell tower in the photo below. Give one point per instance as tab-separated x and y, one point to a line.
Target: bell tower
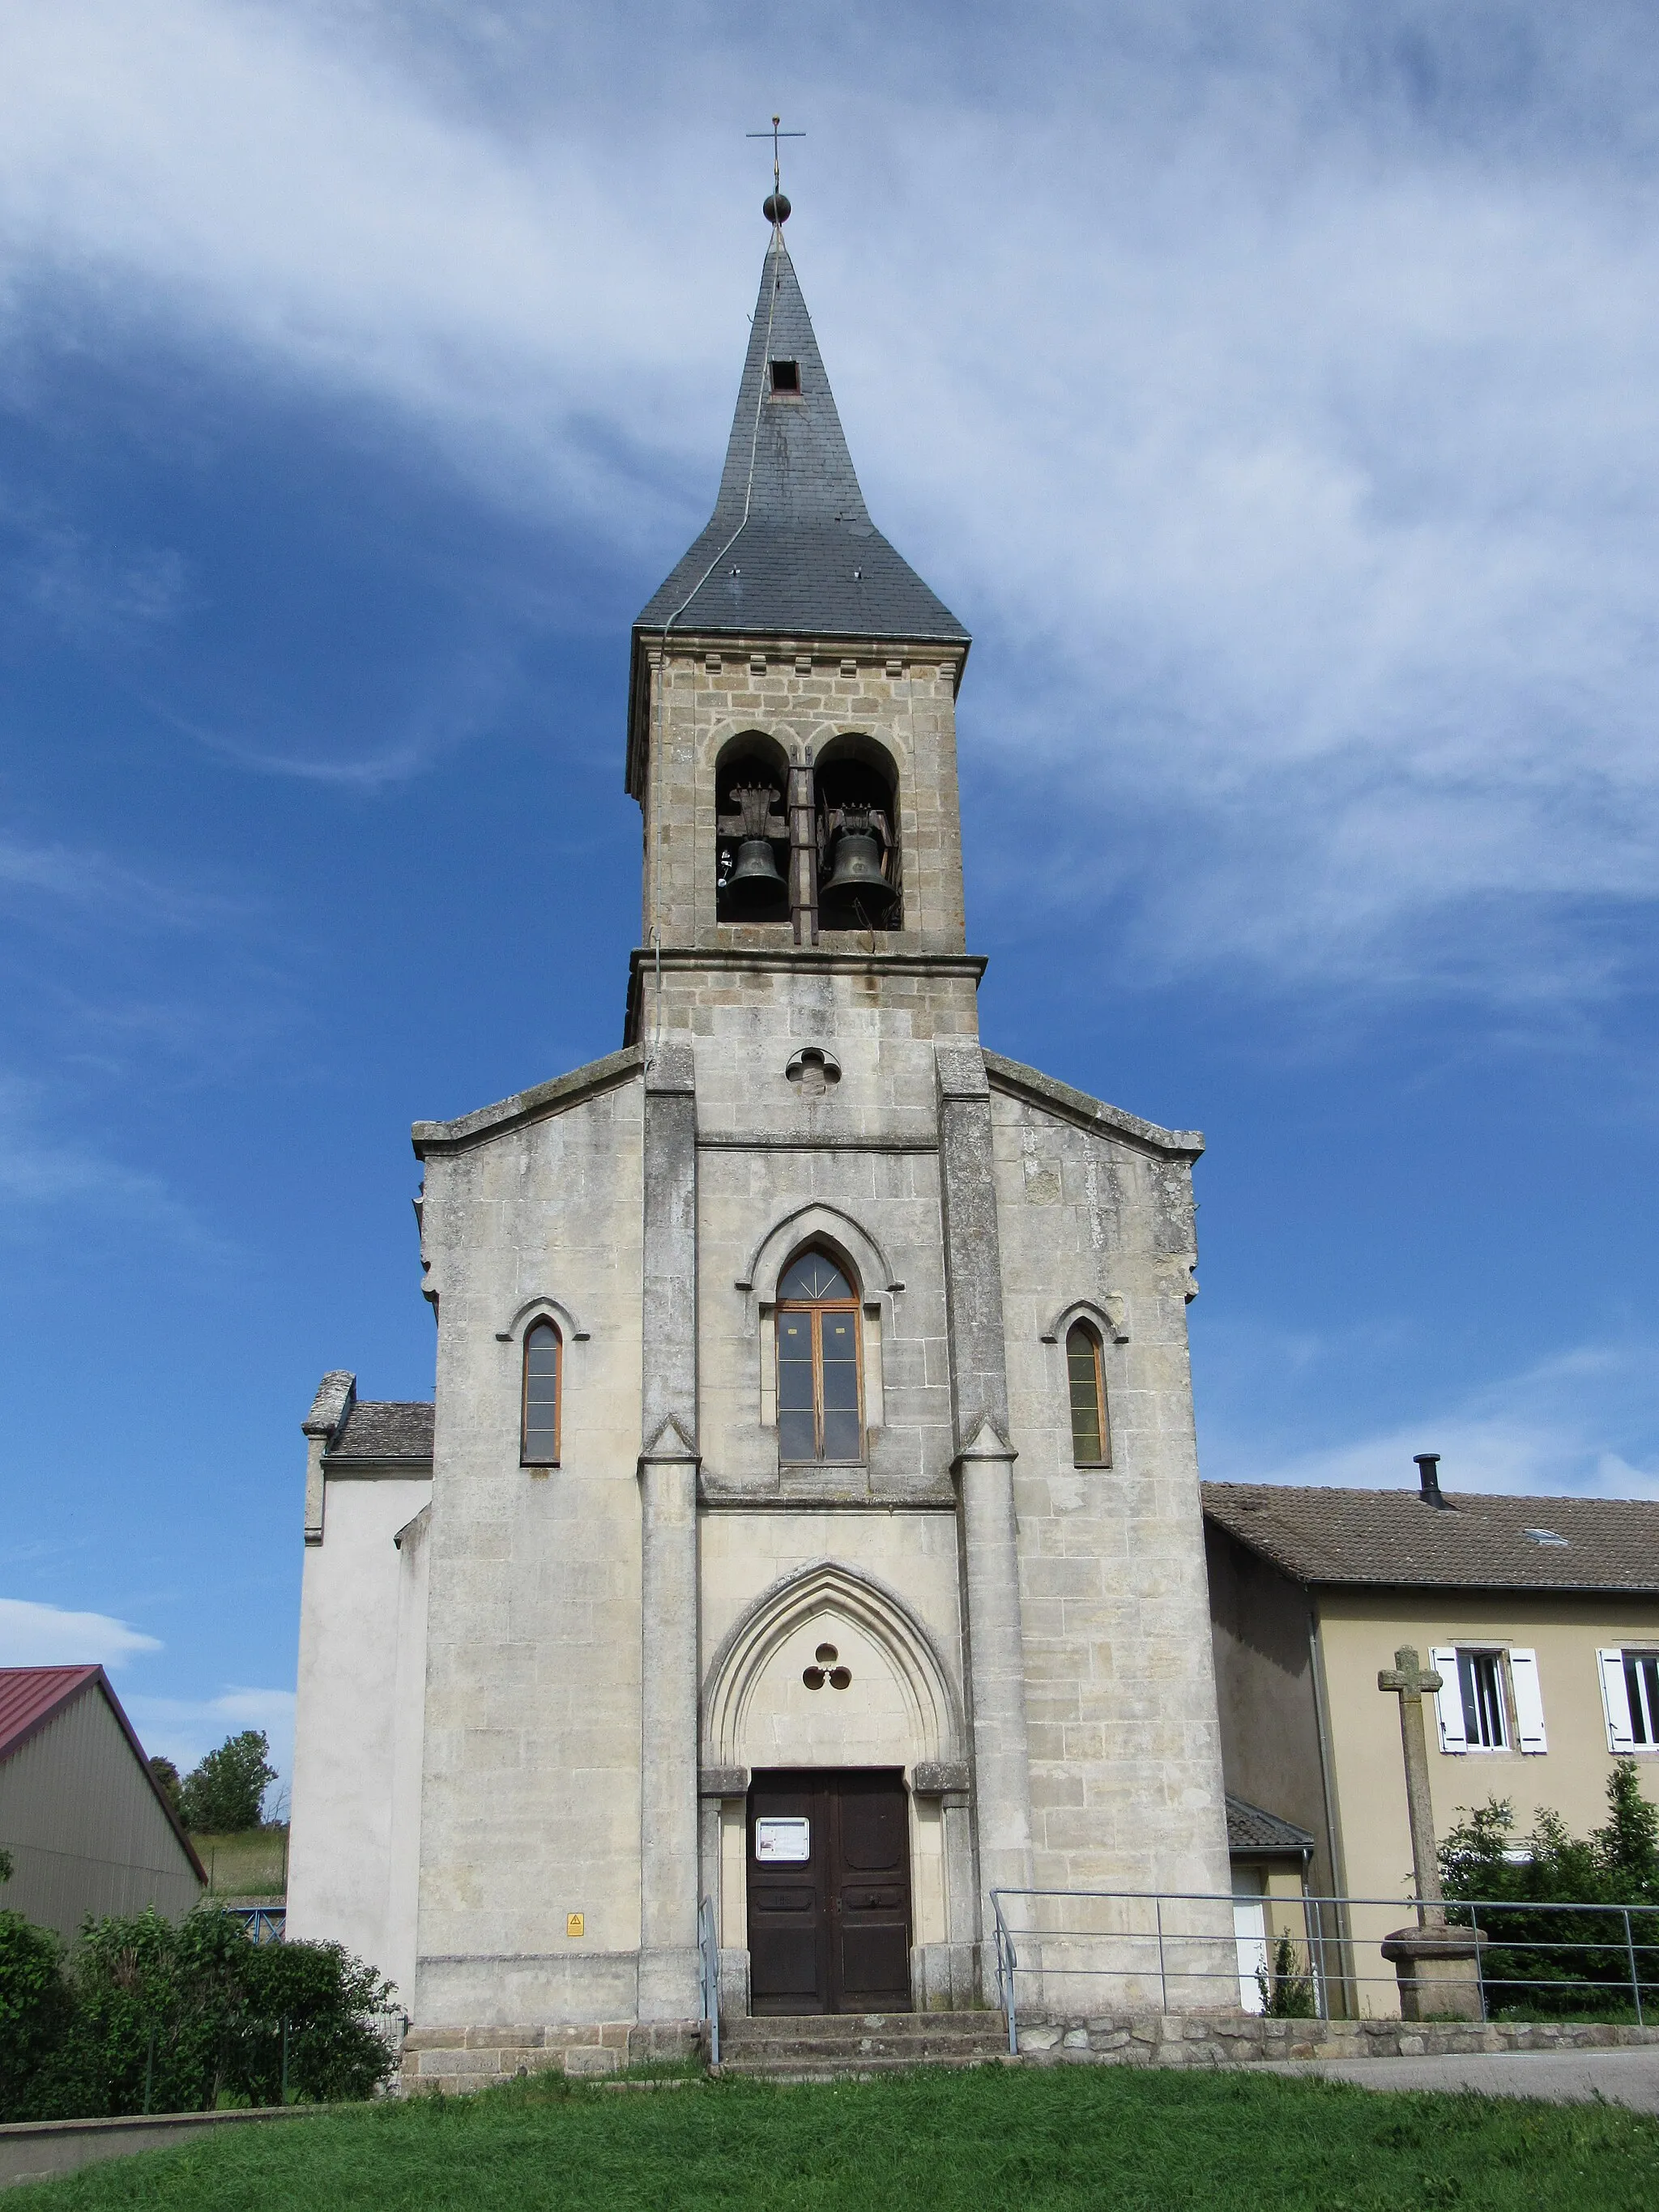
792	738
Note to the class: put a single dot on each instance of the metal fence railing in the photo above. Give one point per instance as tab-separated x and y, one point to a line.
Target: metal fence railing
265	1924
708	1975
1309	1955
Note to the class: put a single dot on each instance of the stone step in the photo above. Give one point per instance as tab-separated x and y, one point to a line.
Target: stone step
836	2047
851	2026
850	2067
899	2047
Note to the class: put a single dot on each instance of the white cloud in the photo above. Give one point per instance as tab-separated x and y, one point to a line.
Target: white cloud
1544	1431
33	1635
1281	394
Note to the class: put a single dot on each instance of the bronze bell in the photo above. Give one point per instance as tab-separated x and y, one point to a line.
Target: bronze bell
858	873
755	882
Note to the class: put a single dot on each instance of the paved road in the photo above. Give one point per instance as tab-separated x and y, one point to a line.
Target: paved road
1563	2077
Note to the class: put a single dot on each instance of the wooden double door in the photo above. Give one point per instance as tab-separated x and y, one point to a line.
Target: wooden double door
828	1890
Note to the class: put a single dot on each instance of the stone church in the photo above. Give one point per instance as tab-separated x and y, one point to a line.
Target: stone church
807	1516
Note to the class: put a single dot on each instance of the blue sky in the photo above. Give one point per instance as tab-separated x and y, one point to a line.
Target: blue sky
1273	394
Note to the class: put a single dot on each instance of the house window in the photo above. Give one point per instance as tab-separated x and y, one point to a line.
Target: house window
1630	1698
1091	1437
1490	1701
786	376
1642	1694
1480	1684
820	1407
539	1445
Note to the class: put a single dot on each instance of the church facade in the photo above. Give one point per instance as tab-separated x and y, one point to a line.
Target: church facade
807	1519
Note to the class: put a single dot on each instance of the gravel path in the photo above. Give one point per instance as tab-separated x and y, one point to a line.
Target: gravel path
1562	2077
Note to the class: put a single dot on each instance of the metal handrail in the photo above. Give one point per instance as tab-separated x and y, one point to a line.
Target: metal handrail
708	1973
1159	1936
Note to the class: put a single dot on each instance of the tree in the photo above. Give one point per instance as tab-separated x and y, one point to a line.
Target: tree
1540	1960
165	1774
222	1795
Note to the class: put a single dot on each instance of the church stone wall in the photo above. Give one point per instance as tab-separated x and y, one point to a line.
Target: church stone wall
1125	1758
530	1808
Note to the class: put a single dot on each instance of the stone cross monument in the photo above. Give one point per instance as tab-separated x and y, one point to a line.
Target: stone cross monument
1437	1967
1407	1679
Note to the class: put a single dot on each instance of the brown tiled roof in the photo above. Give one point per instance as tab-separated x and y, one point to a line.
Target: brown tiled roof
1483	1543
1250	1829
385	1428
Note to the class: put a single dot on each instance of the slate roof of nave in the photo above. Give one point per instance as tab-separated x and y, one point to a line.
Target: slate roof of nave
790	548
384	1428
1484	1542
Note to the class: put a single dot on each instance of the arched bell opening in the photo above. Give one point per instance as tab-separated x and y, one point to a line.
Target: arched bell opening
751	847
859	881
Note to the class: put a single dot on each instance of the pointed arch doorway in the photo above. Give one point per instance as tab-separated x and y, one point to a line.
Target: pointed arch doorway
828	1890
842	1874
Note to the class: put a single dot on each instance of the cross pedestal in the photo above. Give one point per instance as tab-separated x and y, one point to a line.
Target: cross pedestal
1437	1967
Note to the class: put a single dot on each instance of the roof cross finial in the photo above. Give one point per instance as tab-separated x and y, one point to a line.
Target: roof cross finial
774	207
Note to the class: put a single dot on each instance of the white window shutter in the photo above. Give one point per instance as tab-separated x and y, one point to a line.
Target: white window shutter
1528	1700
1615	1700
1449	1701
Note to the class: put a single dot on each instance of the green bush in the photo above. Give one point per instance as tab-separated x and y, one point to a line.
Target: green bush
147	2015
34	2006
1615	1864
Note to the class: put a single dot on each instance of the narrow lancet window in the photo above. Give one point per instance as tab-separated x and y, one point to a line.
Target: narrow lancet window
820	1408
542	1349
1091	1438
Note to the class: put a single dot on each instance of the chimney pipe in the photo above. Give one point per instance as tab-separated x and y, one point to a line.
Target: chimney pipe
1428	1469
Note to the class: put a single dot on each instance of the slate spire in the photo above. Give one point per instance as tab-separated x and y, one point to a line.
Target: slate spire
790	547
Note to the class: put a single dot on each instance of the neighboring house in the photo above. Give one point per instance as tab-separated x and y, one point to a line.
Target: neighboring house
86	1826
1540	1614
1270	1858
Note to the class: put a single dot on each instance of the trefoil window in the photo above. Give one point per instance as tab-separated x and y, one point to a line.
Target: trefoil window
1091	1435
820	1403
539	1434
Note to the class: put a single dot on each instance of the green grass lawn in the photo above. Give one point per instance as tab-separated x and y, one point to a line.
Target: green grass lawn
254	1864
1040	2140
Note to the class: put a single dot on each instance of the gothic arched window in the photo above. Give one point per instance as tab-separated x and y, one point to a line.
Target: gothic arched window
1091	1435
539	1445
820	1406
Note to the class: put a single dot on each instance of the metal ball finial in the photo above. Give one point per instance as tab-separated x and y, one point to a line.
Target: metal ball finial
775	208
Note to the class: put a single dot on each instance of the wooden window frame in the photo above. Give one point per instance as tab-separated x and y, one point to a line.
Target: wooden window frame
527	1457
1632	1658
817	1307
1087	1330
1469	1697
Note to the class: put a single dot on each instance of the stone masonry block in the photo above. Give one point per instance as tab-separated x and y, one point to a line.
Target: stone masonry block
592	2058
